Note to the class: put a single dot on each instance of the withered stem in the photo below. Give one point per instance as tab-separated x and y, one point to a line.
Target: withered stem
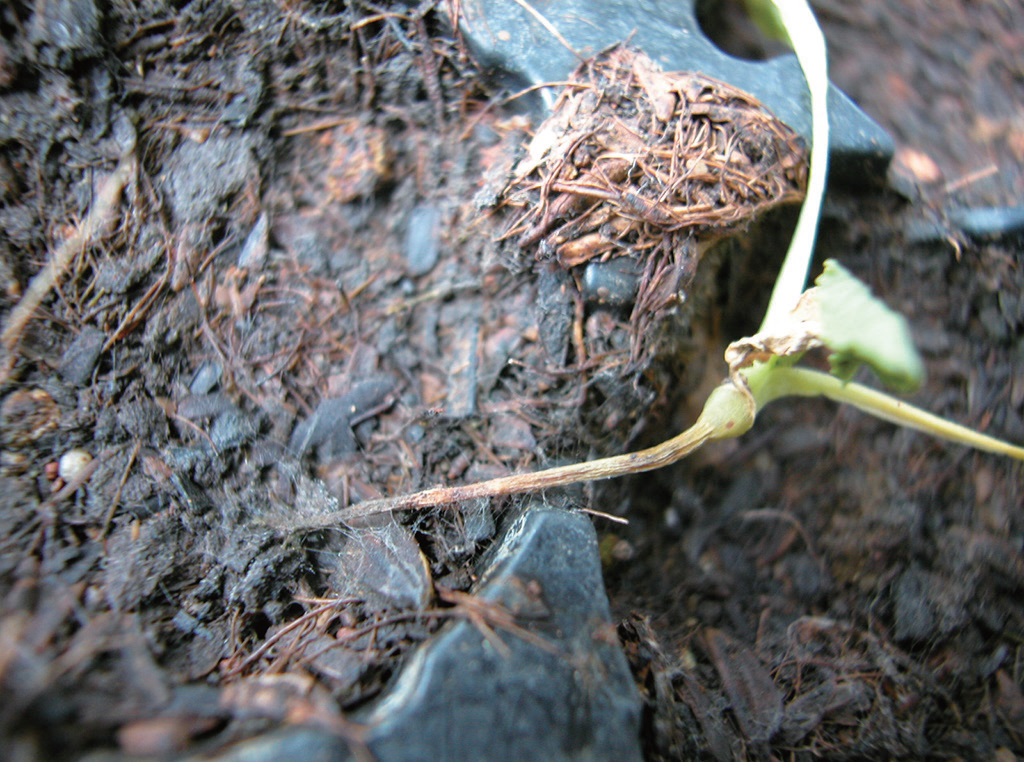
728	412
656	457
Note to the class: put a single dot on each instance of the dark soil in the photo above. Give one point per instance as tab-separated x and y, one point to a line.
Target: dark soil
828	586
283	289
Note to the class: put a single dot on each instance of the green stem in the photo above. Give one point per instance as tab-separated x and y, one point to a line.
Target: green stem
771	382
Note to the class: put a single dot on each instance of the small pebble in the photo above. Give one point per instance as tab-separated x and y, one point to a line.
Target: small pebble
257	244
614	282
918	165
206	378
987	224
72	464
422	237
79	360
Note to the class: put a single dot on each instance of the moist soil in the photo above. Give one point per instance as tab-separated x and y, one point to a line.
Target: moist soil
263	261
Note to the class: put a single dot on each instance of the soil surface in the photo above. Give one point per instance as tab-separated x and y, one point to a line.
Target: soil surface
256	266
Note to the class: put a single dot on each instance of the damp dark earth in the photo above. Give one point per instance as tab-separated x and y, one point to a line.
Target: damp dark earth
265	262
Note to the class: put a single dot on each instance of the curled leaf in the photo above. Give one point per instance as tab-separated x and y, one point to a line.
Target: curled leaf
789	337
842	315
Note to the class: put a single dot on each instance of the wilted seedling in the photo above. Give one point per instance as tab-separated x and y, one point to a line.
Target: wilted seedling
839	315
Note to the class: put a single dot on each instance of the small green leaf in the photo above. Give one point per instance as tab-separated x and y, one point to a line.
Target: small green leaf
859	328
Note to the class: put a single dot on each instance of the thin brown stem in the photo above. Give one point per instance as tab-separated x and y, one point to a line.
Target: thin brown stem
656	457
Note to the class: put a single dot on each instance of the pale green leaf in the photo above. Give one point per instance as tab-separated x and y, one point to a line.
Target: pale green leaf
859	329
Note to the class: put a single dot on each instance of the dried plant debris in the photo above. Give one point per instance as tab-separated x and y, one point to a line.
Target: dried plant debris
653	165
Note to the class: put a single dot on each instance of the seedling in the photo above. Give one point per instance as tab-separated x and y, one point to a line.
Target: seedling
838	315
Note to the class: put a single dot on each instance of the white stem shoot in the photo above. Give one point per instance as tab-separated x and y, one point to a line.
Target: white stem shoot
808	43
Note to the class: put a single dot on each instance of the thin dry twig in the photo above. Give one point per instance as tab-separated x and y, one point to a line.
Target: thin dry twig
277	636
95	226
487	616
120	487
